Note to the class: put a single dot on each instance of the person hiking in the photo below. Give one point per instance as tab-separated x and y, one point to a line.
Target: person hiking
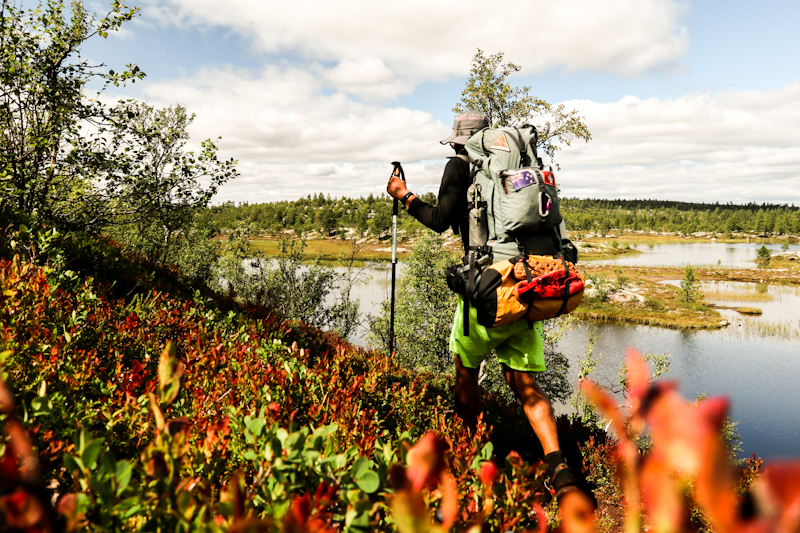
519	346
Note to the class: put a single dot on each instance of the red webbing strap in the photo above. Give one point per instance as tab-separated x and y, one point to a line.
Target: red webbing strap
524	258
566	286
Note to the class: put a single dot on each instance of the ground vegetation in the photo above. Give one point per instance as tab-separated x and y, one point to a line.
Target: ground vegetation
138	394
134	398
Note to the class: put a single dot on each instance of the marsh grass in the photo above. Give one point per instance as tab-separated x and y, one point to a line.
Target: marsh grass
748	292
790	266
733	295
751	311
664	313
785	330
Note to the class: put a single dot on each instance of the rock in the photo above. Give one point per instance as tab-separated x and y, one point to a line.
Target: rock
724	323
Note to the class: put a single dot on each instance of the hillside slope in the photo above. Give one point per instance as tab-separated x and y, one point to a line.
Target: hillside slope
155	404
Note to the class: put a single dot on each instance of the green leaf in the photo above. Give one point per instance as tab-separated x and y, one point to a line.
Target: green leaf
487	450
364	476
91	452
123	475
41	405
108	465
256	426
101	487
368	482
71	464
357	518
361	465
170	371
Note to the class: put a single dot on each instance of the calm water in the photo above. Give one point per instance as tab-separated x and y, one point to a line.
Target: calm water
740	255
752	362
758	375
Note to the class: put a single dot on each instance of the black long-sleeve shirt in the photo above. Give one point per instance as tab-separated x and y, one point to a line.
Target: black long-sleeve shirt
451	208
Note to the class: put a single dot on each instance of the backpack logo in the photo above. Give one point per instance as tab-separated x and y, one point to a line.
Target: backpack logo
549	178
500	144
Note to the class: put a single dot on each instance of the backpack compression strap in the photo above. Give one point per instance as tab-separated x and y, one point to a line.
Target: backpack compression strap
472	251
524	160
470	290
533	142
524	258
560	253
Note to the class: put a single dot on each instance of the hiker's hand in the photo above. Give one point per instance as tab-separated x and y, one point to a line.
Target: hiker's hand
396	187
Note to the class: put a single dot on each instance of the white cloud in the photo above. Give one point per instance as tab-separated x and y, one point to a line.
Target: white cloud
740	146
366	78
291	140
366	45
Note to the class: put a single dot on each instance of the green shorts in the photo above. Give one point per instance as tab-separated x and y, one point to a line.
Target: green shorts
518	346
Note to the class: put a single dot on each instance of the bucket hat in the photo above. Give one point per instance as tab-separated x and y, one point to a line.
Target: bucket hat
465	125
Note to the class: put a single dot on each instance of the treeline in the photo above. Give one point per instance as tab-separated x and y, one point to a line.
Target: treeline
373	215
680	217
316	212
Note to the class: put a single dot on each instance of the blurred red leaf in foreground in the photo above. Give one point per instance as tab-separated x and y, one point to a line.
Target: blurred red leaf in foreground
688	448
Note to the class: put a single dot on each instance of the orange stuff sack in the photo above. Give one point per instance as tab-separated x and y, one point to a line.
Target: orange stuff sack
505	293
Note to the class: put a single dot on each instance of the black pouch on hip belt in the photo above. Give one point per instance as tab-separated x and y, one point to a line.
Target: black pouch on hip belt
463	279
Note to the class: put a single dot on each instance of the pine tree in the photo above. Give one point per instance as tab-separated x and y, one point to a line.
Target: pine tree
688	285
763	256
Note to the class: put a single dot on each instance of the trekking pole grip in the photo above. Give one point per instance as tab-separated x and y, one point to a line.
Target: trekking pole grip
398	170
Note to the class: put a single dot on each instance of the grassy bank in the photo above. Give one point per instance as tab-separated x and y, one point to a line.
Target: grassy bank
636	296
628	294
335	250
154	403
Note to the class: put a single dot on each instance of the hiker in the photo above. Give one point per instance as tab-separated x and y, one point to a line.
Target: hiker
519	346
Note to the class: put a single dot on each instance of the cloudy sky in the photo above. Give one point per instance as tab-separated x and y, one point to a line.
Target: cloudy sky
686	100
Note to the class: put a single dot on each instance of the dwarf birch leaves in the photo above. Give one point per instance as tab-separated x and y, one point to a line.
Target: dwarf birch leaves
170	372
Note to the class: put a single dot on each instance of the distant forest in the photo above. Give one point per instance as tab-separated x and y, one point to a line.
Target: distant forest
373	216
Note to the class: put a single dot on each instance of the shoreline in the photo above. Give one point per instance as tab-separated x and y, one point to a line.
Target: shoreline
632	295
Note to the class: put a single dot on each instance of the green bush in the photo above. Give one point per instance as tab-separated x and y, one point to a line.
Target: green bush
312	294
424	308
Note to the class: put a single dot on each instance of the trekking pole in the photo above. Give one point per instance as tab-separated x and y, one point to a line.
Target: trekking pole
398	171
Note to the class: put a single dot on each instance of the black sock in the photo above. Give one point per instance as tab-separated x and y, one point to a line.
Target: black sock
552	460
563	476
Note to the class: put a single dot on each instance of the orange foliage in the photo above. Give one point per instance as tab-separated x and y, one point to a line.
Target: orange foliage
687	447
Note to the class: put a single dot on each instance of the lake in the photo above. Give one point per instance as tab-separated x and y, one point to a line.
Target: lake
754	362
738	255
758	375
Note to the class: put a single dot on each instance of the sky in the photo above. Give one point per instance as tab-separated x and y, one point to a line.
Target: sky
695	101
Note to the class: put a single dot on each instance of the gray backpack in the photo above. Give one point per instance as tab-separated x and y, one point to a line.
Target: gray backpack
512	195
520	194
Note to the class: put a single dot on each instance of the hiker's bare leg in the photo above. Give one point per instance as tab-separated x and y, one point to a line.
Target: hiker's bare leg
536	405
468	393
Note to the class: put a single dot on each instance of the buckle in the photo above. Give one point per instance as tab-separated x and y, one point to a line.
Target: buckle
547	486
